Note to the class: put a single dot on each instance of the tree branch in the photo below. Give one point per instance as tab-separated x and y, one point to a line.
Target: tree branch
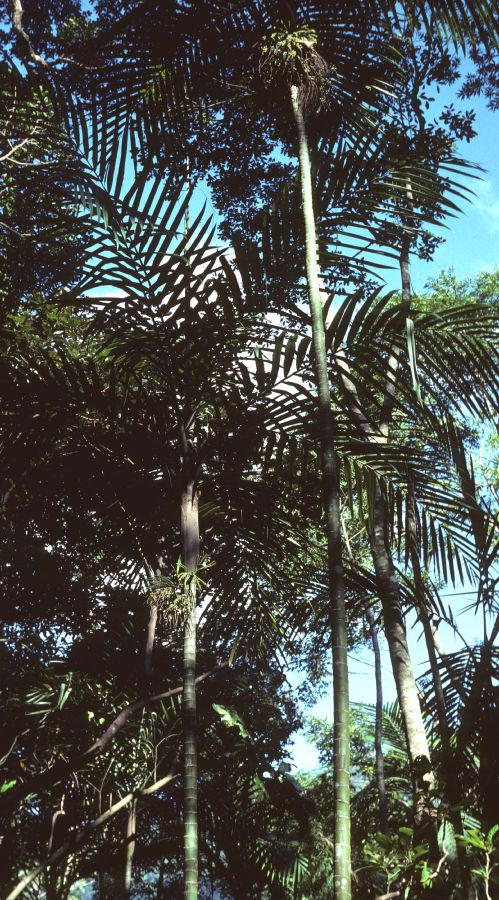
17	16
13	150
17	24
62	770
79	837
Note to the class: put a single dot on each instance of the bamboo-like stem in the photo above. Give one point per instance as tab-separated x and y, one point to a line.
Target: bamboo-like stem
389	591
330	483
378	726
131	827
151	633
452	785
190	554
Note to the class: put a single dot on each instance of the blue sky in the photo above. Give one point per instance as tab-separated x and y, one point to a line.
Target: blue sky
472	239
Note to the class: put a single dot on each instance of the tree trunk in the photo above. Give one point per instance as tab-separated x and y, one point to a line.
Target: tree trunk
389	594
405	682
130	846
330	481
151	632
403	674
161	878
378	728
189	530
388	588
451	788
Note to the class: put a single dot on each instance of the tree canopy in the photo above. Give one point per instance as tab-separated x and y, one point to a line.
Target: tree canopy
230	456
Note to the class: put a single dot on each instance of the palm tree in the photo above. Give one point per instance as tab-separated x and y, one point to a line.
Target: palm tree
393	620
291	55
175	337
294	54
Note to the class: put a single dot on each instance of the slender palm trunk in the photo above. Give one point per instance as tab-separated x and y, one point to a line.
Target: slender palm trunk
161	878
388	588
151	633
378	727
403	673
189	529
131	826
389	594
407	692
330	481
452	790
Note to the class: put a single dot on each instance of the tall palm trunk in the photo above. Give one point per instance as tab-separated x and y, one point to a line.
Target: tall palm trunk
378	726
389	591
131	827
389	595
403	674
330	481
452	790
388	588
189	531
151	633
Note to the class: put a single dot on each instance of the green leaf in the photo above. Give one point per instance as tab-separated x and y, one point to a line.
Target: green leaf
7	785
425	874
64	692
383	840
471	841
231	718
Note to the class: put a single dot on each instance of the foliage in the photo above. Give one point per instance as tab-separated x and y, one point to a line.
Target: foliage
486	844
134	340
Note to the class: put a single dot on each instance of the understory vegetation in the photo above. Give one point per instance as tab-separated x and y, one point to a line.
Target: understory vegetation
231	458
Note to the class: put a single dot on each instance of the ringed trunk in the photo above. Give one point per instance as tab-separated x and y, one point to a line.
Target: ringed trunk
151	632
451	786
330	484
378	727
405	682
190	553
389	593
131	828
